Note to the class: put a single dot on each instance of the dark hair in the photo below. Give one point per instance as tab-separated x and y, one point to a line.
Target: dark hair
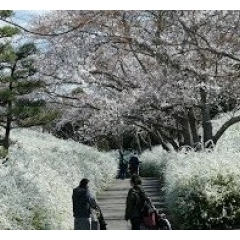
136	180
84	182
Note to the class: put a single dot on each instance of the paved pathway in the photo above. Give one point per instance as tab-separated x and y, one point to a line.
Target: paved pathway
112	201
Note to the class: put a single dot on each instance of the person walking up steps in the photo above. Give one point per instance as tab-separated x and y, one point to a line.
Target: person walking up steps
123	165
134	165
134	203
83	203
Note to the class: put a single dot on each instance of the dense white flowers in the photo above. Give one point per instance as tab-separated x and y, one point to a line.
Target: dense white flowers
37	180
202	188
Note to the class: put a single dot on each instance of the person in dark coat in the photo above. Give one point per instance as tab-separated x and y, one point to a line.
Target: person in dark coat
134	165
83	203
123	165
134	202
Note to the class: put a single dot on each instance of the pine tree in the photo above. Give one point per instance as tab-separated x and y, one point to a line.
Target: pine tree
19	106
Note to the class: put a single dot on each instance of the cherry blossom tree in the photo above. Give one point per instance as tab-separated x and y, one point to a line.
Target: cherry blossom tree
167	69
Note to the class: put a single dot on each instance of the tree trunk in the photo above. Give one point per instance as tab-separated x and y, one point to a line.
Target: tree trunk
146	141
156	134
138	142
6	139
224	127
206	120
162	142
119	140
149	142
193	126
170	140
186	130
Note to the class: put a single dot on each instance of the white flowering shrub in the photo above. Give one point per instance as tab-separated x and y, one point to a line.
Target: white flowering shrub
153	163
202	189
37	181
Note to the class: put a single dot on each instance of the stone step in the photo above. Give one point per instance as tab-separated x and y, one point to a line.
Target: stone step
125	189
116	194
120	215
107	211
113	201
122	202
147	189
126	181
116	224
116	205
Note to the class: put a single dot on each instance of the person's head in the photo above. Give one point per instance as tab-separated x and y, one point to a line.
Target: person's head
84	183
135	180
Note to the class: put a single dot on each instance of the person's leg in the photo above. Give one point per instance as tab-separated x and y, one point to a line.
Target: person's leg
125	171
122	173
135	224
82	224
135	171
131	171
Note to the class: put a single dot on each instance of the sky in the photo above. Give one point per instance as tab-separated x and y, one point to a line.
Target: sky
23	16
120	5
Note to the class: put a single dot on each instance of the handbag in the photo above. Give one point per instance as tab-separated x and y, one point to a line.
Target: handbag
150	220
94	222
149	214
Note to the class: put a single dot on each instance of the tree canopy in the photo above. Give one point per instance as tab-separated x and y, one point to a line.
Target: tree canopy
158	76
19	85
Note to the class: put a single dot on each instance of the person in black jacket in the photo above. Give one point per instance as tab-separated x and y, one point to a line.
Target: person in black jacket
134	201
134	165
123	165
83	202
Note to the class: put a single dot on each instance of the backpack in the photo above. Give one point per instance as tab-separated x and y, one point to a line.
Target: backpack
147	210
138	200
134	161
149	214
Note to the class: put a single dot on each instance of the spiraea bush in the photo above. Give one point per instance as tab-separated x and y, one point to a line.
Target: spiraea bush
202	189
153	163
37	180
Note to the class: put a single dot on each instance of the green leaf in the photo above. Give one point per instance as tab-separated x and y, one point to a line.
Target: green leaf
78	90
26	50
6	13
26	87
42	118
6	95
8	54
8	31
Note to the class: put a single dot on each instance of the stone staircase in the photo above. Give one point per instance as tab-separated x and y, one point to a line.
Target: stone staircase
112	201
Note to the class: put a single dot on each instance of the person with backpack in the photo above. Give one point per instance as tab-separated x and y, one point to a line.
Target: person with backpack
134	202
134	164
83	203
